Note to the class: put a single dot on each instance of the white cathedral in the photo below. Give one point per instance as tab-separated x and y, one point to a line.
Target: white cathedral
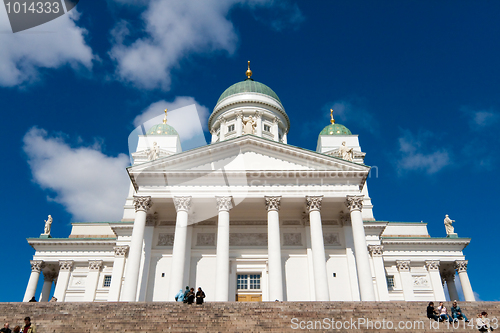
249	218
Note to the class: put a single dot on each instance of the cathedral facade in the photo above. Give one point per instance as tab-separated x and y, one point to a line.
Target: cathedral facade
249	217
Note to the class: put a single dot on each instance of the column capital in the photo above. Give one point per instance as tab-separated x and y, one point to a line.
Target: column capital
344	218
354	202
448	275
142	203
239	114
376	250
121	251
182	204
223	120
151	219
461	265
65	265
276	120
258	114
224	203
95	265
403	265
273	202
49	275
37	265
313	203
432	265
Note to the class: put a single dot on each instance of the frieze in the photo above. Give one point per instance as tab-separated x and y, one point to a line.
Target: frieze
292	239
166	239
331	238
205	239
420	281
248	239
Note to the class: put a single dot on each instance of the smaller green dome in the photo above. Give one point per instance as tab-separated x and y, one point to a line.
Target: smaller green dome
335	129
162	129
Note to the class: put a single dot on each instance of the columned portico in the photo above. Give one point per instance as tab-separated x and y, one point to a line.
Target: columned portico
449	277
92	280
354	203
48	279
274	248
433	269
461	267
36	268
224	204
182	207
378	266
142	205
65	267
313	204
117	275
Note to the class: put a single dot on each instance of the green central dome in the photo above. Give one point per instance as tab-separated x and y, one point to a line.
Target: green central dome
162	129
249	85
335	129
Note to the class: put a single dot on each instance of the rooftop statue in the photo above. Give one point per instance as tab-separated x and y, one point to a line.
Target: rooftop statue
448	225
346	153
48	224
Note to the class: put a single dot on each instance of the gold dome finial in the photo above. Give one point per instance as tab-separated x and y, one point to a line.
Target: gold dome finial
331	115
165	118
249	72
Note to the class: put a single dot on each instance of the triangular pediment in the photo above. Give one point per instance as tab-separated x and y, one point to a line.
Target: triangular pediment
248	153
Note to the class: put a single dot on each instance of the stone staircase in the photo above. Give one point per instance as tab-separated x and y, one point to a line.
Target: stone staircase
237	317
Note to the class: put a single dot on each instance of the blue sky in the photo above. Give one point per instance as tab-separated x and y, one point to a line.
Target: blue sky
417	80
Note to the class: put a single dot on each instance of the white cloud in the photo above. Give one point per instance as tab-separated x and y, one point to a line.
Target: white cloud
51	45
175	29
353	112
416	155
479	119
89	184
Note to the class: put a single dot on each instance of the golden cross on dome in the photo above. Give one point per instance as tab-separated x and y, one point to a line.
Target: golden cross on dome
165	118
331	115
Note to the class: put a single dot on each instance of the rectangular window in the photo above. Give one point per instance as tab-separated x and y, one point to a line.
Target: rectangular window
230	128
107	281
248	282
390	282
242	281
267	128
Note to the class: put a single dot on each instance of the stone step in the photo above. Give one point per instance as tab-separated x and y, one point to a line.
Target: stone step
237	317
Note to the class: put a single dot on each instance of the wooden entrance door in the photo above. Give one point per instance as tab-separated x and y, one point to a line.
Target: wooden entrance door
248	298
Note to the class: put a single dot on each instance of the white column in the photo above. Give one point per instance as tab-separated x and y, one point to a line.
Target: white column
284	138
310	267
182	206
92	280
214	135
433	269
461	267
223	129
224	204
448	276
406	280
354	203
36	268
258	130
318	248
142	205
275	129
148	244
48	278
117	274
274	248
376	252
239	123
63	279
